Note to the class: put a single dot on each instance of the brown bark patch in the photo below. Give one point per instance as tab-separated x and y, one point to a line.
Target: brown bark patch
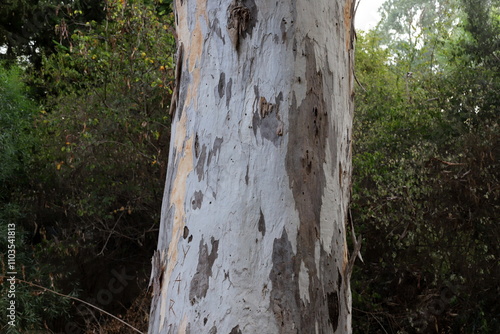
284	297
199	284
267	118
241	18
309	134
348	22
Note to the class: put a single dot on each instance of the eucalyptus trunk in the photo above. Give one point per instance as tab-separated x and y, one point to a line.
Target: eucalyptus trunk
253	228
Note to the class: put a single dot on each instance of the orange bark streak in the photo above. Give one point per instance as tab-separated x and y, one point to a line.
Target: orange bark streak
348	23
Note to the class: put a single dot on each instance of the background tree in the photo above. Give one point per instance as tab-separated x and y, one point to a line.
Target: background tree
28	28
425	178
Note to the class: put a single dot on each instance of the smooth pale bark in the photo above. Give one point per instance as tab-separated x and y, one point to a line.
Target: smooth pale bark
253	227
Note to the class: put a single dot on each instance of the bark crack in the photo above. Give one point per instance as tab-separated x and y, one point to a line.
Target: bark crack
178	72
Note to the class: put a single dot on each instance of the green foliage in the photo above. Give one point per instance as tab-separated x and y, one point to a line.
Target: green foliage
84	174
107	127
16	142
27	26
107	121
416	30
426	181
17	149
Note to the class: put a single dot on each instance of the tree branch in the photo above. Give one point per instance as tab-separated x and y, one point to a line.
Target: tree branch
78	300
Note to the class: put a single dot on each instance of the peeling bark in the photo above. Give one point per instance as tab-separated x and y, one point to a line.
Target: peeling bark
253	228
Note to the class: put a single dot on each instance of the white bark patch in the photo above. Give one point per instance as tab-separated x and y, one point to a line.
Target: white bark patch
317	255
183	326
304	283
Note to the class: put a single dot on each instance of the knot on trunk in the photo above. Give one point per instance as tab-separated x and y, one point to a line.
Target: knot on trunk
237	21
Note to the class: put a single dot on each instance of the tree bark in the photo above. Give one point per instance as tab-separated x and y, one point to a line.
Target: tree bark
253	228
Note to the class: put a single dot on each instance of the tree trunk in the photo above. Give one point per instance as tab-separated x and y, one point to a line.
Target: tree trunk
253	228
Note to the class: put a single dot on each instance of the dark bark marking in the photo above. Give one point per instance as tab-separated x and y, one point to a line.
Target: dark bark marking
215	149
255	117
228	91
262	224
246	175
267	118
330	270
271	128
306	152
199	283
339	280
222	84
196	146
213	330
284	297
333	309
216	27
200	165
178	72
248	70
276	39
283	30
278	100
238	17
157	269
197	200
185	233
183	89
235	330
309	132
340	173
